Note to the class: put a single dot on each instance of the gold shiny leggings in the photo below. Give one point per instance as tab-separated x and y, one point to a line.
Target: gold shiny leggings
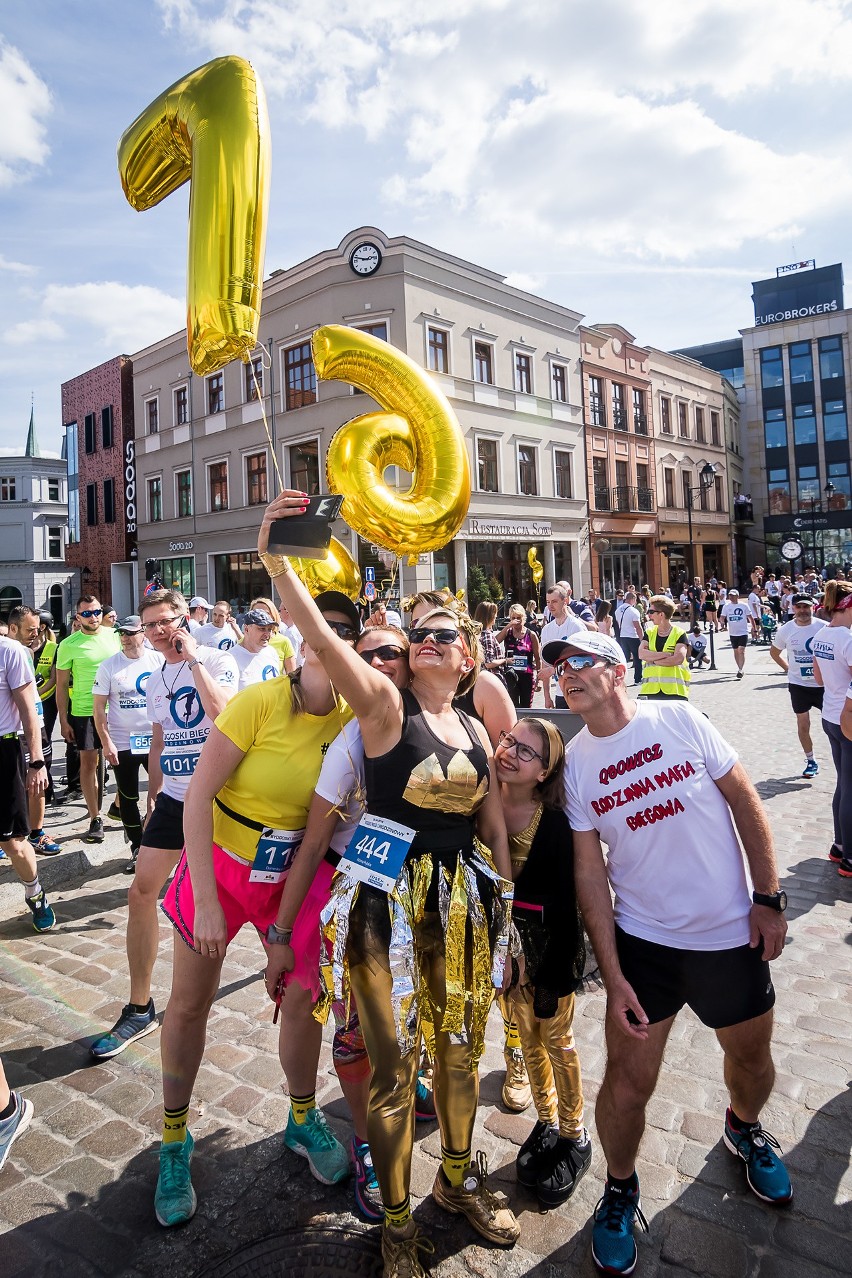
551	1059
390	1108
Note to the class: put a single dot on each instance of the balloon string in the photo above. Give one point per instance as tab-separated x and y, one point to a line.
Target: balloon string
258	390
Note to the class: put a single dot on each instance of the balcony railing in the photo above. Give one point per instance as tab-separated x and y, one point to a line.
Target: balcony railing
743	512
640	423
625	499
619	419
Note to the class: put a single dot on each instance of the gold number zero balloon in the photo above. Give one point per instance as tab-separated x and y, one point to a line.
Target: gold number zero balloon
417	430
212	129
338	571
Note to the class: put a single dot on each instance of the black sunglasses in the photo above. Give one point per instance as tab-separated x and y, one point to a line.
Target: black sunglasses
419	634
387	652
341	629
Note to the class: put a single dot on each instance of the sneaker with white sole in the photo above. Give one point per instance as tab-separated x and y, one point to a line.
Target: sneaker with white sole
175	1201
15	1125
368	1196
473	1199
43	844
44	920
765	1173
517	1093
313	1139
613	1245
811	768
129	1026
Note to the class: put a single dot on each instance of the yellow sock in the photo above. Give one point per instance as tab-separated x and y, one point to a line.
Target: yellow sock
301	1106
399	1216
454	1166
174	1124
513	1038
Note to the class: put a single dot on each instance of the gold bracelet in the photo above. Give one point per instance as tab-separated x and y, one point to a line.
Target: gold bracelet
275	565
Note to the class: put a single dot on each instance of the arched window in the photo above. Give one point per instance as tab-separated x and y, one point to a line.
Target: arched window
10	597
55	602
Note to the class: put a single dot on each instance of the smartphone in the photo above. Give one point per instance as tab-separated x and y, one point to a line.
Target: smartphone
307	535
184	625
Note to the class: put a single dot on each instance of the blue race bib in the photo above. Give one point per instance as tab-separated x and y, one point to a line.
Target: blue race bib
377	852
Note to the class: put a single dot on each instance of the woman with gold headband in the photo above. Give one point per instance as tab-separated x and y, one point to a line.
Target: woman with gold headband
529	763
425	956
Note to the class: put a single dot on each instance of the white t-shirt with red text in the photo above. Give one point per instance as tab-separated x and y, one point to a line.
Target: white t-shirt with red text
673	858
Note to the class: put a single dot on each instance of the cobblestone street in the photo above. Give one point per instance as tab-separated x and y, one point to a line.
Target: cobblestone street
76	1194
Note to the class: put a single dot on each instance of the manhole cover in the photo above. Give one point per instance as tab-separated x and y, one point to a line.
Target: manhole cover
306	1253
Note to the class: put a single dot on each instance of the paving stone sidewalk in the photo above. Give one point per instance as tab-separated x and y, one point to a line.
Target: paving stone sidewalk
76	1194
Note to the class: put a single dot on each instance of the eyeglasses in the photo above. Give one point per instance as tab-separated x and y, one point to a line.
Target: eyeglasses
149	626
522	750
387	652
576	663
341	629
419	634
90	612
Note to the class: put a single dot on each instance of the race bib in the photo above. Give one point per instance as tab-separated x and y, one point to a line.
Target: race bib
806	672
179	765
274	855
520	661
140	742
39	709
377	851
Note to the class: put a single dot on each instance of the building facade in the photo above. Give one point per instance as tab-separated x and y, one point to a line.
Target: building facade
97	413
34	532
207	448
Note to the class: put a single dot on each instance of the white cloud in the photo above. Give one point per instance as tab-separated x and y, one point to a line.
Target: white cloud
34	330
24	102
15	268
119	317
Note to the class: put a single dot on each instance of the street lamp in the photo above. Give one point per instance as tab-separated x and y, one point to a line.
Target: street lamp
705	476
829	491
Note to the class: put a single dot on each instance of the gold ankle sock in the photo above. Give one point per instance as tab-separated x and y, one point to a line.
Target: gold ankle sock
301	1106
174	1124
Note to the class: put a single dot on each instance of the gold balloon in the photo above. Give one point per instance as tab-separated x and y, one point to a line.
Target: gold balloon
417	430
338	571
212	129
537	568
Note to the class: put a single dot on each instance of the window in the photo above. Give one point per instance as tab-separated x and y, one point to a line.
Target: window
89	432
558	383
686	482
699	424
152	415
181	406
668	484
600	480
106	426
841	498
300	378
438	342
216	393
714	427
719	492
801	362
256	487
830	358
53	490
771	367
562	463
682	421
155	499
779	492
486	465
775	428
619	416
597	412
379	330
183	489
703	496
642	480
483	363
91	504
804	424
523	374
109	501
808	486
834	420
666	415
8	488
304	467
54	543
254	378
217	478
527	479
640	417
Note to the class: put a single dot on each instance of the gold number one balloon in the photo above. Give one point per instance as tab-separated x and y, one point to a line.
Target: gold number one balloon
212	129
417	430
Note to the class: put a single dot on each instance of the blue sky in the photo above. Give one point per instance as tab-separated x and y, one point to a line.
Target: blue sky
642	163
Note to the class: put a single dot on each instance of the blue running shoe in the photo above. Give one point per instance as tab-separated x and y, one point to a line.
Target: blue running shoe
368	1196
424	1101
313	1139
43	844
766	1174
130	1025
14	1126
811	768
43	917
175	1201
613	1244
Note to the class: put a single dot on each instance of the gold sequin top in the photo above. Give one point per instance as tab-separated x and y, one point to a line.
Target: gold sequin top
520	843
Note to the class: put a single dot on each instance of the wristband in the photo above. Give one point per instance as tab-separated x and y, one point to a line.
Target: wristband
36	764
275	565
277	935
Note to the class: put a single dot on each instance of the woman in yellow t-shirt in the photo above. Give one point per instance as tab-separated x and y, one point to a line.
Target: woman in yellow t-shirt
244	816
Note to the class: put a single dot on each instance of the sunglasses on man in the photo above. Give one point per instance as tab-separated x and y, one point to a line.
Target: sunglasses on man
580	662
91	612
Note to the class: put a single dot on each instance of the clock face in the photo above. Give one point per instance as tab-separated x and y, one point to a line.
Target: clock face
365	259
792	549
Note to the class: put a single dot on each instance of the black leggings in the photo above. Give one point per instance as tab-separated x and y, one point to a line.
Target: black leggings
127	785
522	692
841	803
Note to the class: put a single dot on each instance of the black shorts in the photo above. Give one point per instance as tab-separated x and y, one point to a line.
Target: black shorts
85	733
738	641
165	825
14	810
805	699
723	987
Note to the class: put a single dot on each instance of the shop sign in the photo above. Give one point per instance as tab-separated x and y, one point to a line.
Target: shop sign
180	545
130	486
526	528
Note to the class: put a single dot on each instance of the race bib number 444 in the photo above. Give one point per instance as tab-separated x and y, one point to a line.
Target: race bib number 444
377	851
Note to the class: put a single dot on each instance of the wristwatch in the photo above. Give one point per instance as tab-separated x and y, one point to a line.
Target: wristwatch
774	900
190	665
36	764
277	935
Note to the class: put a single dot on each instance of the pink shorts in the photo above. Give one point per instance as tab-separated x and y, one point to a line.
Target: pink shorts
255	903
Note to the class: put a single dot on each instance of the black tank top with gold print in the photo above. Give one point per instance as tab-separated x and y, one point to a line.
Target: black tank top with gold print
428	785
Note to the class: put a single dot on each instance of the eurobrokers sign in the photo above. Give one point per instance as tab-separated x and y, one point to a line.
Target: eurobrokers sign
819	308
798	294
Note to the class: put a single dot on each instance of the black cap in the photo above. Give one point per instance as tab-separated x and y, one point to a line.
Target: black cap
336	601
800	599
46	618
258	617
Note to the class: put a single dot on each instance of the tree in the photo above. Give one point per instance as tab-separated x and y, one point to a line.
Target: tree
478	589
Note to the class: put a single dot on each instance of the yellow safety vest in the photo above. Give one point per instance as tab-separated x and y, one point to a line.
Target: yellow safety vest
44	665
671	681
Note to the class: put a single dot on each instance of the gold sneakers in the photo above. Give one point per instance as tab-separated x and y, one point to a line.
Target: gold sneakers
516	1086
475	1200
399	1251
